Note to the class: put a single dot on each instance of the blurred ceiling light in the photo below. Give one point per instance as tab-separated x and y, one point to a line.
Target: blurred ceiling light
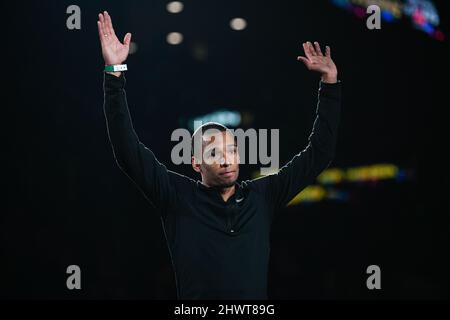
238	24
174	38
174	7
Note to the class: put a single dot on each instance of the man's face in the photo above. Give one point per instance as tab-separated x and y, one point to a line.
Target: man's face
220	161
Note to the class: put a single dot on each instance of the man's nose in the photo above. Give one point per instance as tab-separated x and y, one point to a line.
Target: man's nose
224	162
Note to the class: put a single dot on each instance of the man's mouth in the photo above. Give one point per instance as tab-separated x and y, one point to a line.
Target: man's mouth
227	174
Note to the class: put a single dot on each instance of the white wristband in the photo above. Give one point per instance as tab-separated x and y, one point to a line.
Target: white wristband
116	67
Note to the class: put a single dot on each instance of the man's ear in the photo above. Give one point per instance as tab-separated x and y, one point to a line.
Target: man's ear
195	164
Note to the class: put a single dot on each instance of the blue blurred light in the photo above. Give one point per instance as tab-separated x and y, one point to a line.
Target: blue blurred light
427	27
387	16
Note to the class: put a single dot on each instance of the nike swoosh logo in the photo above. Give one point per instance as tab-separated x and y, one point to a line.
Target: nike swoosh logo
239	200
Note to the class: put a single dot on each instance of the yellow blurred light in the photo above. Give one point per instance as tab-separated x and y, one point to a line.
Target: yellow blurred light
311	193
332	175
374	172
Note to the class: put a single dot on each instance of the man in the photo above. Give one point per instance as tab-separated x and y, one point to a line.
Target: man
217	229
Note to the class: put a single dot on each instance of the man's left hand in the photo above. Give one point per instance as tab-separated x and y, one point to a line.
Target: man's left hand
316	61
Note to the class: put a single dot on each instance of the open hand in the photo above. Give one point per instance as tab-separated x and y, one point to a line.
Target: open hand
114	52
318	62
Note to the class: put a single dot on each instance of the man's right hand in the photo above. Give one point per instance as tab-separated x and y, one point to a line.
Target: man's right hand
114	52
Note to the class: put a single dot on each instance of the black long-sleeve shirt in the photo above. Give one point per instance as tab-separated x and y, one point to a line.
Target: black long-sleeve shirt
219	250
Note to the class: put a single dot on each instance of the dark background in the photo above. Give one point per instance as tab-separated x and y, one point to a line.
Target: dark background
66	201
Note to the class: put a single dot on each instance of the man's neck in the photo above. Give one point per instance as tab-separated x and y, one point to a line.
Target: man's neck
226	193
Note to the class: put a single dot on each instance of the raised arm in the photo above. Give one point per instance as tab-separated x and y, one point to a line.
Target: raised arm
135	160
113	51
302	170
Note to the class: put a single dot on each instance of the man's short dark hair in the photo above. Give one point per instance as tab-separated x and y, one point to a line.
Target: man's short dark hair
206	126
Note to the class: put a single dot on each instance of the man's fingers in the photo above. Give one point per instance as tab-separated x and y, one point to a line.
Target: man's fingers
127	39
100	31
106	23
305	61
328	51
103	29
109	23
306	50
317	47
101	18
312	51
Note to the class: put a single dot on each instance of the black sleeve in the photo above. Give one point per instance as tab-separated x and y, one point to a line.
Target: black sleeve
282	187
134	159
